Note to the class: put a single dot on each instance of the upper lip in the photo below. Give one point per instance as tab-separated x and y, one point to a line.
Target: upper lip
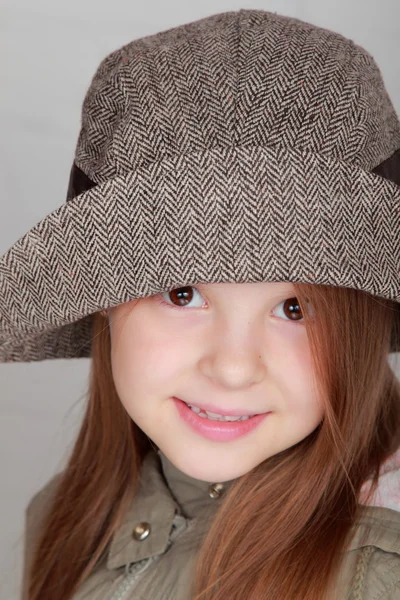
223	411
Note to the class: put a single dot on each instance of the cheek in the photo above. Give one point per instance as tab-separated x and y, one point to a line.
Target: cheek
291	356
308	403
145	357
294	369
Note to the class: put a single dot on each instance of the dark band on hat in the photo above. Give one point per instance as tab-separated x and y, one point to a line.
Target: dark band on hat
79	182
390	168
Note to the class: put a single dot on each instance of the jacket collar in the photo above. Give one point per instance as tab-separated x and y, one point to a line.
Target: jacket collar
163	492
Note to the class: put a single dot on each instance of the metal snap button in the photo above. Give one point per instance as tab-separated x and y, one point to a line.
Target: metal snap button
215	490
141	531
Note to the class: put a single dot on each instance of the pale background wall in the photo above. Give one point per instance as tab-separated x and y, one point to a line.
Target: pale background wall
48	54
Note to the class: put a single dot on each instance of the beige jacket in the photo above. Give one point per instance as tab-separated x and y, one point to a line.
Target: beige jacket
153	552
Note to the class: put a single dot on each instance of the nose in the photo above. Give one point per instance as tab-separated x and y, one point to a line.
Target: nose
234	359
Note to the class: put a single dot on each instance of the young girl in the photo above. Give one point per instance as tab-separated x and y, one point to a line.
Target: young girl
229	259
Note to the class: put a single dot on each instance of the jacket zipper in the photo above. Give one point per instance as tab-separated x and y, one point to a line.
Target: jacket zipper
131	577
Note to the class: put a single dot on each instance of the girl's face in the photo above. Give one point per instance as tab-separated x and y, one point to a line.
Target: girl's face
234	346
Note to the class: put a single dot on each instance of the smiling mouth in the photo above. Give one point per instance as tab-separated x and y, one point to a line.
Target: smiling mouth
220	428
217	414
215	417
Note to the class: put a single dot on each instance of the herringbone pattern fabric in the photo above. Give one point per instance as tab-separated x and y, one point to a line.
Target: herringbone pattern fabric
234	148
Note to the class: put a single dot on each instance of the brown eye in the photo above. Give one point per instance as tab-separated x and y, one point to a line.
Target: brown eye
181	297
292	310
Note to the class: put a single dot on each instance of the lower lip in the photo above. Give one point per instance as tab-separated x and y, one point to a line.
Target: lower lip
220	431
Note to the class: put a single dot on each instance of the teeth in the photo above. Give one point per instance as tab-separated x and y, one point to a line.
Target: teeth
214	417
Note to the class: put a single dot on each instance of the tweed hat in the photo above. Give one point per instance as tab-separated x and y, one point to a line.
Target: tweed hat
242	147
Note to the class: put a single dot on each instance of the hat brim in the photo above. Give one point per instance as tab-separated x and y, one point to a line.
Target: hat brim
228	214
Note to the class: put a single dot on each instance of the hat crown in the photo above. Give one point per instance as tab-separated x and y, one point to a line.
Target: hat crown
247	77
234	148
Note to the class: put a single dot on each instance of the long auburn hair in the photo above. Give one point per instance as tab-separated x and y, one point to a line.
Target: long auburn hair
282	529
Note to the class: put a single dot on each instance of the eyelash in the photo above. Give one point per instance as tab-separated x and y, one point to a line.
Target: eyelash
160	300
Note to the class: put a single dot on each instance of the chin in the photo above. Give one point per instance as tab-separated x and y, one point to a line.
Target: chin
210	474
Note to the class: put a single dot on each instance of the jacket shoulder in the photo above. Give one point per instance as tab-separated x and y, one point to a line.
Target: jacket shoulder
373	557
35	513
379	527
45	494
382	577
374	574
